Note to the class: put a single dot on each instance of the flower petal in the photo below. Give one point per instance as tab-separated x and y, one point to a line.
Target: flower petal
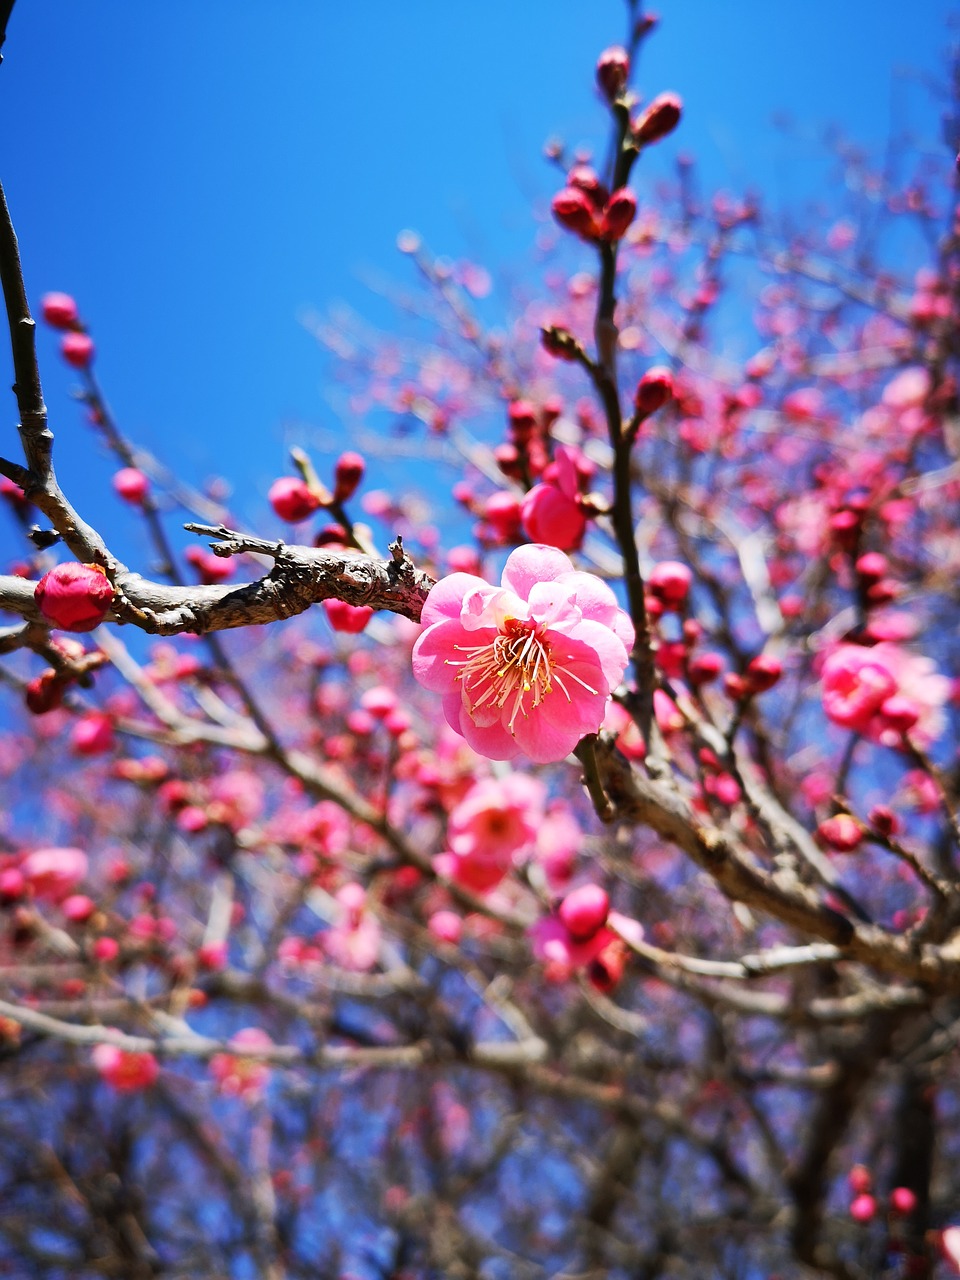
446	597
533	563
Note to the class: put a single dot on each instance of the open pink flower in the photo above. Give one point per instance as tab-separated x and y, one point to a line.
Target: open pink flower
883	690
527	666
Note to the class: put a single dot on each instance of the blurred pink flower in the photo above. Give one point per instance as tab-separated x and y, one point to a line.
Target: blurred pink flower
878	691
241	1076
526	667
123	1071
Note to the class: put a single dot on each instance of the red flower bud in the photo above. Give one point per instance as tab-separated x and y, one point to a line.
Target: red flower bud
291	499
77	349
704	667
763	672
613	69
654	389
347	475
660	118
74	597
347	617
620	211
574	210
59	310
859	1179
841	833
44	693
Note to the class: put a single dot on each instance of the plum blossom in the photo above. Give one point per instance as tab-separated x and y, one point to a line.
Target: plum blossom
123	1071
884	690
494	822
528	666
240	1076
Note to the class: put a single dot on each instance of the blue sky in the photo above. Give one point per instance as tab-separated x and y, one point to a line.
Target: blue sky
196	173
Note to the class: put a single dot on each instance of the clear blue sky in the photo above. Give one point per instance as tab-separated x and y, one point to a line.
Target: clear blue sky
196	172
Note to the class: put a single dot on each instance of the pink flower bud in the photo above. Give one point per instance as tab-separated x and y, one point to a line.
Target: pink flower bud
654	389
131	484
613	69
619	211
842	834
348	618
78	908
502	513
585	178
863	1208
902	1200
872	566
210	568
12	884
292	500
92	734
347	475
584	911
859	1179
77	349
446	926
574	210
74	597
212	956
660	118
670	582
106	949
59	310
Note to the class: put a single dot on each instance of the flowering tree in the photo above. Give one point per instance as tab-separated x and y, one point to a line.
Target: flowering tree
581	898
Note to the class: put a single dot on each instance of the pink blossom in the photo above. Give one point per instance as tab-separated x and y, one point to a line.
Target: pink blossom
494	822
238	1075
526	667
882	690
497	817
125	1072
54	873
353	942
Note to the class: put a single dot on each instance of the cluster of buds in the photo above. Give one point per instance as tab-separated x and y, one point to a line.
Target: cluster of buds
295	499
585	206
61	312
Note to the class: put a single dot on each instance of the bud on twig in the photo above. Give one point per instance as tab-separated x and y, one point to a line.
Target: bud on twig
660	118
620	211
654	390
560	343
575	212
613	70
